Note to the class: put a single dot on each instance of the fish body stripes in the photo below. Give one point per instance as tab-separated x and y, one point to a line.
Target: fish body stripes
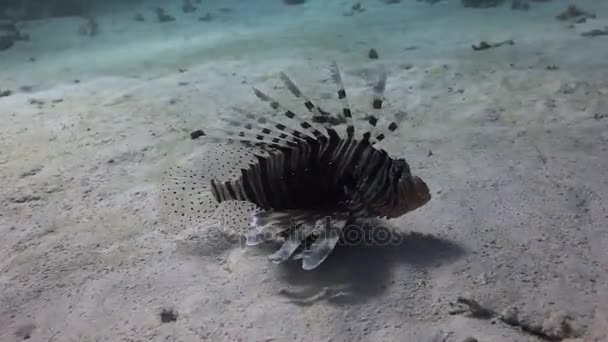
323	175
301	172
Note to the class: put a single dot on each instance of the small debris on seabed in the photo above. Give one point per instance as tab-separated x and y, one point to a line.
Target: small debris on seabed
575	13
10	34
293	2
472	309
521	5
552	67
596	32
484	45
308	298
89	28
481	3
188	7
162	16
25	331
4	93
25	198
168	315
355	9
197	134
139	17
554	328
206	17
600	116
36	102
31	172
372	54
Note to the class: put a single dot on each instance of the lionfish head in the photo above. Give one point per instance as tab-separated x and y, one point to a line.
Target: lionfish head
409	193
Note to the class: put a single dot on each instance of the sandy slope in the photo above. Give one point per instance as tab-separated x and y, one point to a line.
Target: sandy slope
519	153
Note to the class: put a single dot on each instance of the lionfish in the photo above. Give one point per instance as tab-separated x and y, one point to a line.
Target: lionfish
300	181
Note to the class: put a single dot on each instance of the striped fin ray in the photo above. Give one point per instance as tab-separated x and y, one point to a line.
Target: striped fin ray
256	132
265	122
376	106
377	134
250	130
389	130
341	92
227	136
270	224
324	244
265	227
293	241
277	107
319	114
309	236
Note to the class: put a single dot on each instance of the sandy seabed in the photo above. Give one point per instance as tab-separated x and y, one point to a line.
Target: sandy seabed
519	152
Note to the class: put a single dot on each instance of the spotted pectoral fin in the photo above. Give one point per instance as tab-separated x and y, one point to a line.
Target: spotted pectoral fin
234	216
184	194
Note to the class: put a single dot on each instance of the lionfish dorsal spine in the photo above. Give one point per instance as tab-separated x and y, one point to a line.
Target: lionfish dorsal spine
371	131
310	106
278	108
255	130
265	131
272	124
336	77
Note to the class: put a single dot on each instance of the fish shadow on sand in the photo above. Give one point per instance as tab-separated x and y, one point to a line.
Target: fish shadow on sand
355	272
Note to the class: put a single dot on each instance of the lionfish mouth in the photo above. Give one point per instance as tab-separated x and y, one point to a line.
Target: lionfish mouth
422	193
414	197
